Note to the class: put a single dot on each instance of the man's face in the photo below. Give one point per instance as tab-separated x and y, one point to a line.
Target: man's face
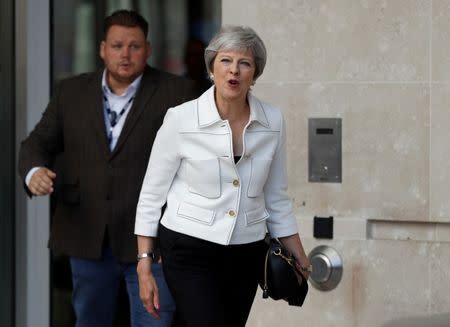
125	52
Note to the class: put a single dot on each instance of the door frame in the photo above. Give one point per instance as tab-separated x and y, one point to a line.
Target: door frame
32	90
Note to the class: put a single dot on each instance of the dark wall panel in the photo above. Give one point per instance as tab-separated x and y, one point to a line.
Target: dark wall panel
7	170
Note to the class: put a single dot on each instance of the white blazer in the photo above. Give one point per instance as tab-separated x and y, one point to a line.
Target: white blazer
209	196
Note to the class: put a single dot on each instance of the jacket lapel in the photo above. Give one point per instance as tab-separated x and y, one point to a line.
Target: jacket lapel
144	93
257	111
95	104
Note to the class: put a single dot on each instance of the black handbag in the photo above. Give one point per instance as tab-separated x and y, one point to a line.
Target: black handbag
281	279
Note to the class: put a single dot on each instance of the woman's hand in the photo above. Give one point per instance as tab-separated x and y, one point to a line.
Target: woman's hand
148	289
303	266
294	245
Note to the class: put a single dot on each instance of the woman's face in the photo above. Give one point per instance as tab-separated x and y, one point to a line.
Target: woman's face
233	74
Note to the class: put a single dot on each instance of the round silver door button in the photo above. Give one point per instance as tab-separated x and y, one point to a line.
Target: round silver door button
321	268
327	267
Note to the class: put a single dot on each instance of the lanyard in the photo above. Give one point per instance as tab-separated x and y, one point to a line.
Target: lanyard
113	116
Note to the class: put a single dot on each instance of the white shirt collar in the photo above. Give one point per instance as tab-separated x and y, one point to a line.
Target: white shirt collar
131	89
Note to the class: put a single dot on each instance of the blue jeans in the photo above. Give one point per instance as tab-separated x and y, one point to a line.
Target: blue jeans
95	289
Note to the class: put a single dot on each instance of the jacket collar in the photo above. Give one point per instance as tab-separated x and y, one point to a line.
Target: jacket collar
208	114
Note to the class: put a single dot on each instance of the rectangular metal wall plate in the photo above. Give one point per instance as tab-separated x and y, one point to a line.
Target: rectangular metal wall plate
325	150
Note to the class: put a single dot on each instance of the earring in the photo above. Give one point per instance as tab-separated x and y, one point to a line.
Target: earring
211	77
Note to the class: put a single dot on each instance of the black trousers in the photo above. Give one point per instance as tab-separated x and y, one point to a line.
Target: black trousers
213	285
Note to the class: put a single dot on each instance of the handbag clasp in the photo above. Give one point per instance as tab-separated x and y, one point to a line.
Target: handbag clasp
290	260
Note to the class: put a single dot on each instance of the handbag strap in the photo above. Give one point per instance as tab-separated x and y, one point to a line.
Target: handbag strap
281	251
289	259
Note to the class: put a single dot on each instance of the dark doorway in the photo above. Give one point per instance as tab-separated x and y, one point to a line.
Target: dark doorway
7	166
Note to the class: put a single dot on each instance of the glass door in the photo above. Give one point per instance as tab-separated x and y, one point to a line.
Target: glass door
178	32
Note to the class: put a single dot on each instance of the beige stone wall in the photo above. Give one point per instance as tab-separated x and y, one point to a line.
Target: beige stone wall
384	68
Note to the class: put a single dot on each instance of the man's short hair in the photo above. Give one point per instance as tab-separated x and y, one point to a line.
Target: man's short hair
127	18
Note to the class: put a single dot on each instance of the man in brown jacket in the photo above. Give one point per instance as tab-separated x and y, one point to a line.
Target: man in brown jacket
103	125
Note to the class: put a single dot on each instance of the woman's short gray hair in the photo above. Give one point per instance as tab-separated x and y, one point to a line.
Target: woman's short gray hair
235	37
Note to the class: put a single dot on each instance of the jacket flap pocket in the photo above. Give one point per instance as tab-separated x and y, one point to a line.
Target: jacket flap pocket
256	216
191	212
203	177
258	177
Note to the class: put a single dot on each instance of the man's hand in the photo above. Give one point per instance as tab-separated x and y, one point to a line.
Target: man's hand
41	183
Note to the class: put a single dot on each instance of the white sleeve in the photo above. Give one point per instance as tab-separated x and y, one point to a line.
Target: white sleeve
162	168
281	221
29	175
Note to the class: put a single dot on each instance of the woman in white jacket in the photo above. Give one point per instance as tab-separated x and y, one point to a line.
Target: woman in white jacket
220	164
